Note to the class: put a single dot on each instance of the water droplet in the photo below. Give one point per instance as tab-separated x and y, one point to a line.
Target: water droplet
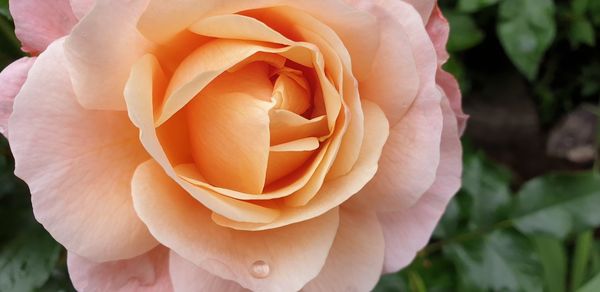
260	269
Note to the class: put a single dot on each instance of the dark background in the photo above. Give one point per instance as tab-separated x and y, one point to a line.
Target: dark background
527	216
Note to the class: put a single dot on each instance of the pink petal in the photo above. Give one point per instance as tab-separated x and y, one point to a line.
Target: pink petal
408	231
78	165
424	7
145	273
99	75
12	79
39	23
295	254
187	277
82	7
356	257
439	30
411	154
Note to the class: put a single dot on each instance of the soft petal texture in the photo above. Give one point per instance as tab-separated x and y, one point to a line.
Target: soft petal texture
78	165
82	7
295	253
411	155
406	232
163	19
187	277
145	273
356	257
394	67
336	191
12	79
147	83
99	75
439	29
424	7
39	23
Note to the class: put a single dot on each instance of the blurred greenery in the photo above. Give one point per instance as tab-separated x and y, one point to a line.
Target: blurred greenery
524	220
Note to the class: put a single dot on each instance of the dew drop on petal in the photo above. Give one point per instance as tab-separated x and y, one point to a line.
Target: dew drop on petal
260	269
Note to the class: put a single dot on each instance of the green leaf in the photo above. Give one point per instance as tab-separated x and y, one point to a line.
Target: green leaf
4	12
554	261
391	283
526	29
579	7
500	261
583	248
27	261
487	184
558	204
591	286
474	5
582	32
464	33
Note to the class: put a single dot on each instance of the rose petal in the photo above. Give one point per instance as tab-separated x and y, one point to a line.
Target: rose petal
163	19
424	7
438	30
78	165
12	79
146	83
145	273
356	257
410	157
408	231
336	191
39	23
82	7
188	277
99	75
295	254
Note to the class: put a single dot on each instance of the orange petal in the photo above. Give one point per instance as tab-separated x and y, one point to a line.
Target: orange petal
185	226
139	95
187	277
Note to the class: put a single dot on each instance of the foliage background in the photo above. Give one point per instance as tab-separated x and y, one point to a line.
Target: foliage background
528	214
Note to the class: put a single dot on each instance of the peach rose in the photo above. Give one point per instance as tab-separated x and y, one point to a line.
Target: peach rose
223	145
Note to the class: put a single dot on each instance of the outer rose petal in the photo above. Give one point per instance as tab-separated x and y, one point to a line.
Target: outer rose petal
438	30
356	257
99	75
78	165
295	253
187	277
12	79
39	23
146	273
411	155
82	7
406	232
424	7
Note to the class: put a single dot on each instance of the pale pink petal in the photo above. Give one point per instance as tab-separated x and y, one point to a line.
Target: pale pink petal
39	23
101	50
439	30
12	79
82	7
424	7
165	18
145	273
408	231
356	257
78	165
295	254
187	277
411	155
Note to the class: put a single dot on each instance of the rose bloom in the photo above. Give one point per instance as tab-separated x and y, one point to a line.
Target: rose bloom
225	145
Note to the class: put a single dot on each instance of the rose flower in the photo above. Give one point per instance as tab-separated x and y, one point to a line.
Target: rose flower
225	145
